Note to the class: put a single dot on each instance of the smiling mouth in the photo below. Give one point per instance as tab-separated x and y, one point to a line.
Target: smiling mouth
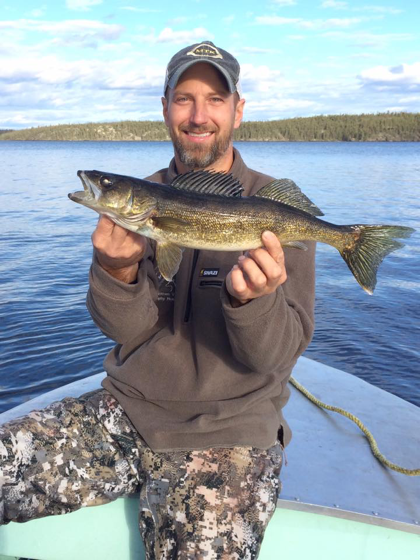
197	136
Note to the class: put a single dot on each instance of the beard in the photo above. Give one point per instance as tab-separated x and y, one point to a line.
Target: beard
198	156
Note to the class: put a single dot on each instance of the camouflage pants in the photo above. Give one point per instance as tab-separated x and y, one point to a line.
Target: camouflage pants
210	504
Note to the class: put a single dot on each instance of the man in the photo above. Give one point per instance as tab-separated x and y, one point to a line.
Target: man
190	414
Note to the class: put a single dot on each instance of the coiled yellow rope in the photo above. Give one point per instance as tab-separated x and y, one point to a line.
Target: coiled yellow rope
371	439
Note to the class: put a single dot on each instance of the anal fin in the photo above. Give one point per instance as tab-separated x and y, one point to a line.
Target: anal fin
295	245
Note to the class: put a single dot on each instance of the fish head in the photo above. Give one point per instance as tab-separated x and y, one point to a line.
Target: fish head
105	192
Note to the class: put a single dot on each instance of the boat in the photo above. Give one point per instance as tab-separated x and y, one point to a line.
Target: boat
338	502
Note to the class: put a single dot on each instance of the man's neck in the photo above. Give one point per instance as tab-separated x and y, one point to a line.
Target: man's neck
223	164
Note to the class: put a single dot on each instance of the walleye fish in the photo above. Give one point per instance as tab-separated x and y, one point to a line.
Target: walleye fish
205	210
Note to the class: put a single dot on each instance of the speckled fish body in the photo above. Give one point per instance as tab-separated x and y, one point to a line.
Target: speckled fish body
204	210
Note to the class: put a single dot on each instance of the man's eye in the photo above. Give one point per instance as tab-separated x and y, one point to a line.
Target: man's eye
181	99
216	99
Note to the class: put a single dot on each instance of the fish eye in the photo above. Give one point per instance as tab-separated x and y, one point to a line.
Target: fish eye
105	182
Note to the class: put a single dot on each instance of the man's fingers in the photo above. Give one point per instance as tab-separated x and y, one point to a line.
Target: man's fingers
107	232
254	275
105	225
238	281
271	269
258	272
273	245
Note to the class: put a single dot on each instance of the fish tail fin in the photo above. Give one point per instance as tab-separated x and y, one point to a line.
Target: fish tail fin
367	248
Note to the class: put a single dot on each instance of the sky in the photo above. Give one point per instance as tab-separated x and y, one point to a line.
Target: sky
78	61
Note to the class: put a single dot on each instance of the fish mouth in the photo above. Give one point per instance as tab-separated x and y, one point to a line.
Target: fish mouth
89	195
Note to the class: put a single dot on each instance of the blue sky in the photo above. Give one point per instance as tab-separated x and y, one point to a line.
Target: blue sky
75	61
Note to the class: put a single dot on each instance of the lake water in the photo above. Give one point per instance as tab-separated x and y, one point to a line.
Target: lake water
47	338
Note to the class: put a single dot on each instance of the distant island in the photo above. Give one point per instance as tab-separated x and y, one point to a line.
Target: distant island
380	127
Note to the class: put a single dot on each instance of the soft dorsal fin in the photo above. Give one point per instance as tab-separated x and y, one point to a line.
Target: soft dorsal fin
287	192
208	182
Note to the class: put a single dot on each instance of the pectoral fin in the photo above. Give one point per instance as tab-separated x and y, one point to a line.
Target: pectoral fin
174	225
168	258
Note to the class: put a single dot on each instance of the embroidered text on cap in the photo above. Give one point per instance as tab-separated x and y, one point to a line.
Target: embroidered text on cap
205	50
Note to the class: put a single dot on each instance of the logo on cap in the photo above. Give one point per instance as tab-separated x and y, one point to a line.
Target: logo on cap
205	50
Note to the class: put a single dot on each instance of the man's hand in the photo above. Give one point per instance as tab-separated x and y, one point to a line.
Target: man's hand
259	272
119	251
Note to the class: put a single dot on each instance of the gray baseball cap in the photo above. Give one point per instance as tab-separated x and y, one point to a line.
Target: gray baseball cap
204	52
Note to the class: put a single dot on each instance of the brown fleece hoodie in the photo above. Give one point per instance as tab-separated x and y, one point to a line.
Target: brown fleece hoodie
191	371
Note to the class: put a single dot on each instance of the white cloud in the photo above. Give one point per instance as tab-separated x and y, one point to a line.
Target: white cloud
16	120
46	70
145	78
256	50
38	12
396	108
277	20
334	4
82	5
337	5
362	55
260	79
40	89
280	106
228	19
178	20
26	72
185	19
405	77
410	99
379	10
284	2
76	28
369	40
140	10
308	24
168	35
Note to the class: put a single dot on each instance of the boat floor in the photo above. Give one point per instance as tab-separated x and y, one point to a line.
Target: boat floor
332	485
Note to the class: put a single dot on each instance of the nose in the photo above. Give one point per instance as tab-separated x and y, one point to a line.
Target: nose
199	114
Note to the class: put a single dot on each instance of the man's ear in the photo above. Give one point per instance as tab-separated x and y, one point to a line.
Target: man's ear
165	110
239	113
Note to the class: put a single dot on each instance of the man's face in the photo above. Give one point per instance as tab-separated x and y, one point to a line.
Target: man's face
201	115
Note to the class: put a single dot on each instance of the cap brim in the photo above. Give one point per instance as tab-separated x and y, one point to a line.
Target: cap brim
173	80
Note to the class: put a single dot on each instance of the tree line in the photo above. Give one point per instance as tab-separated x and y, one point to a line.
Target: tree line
386	127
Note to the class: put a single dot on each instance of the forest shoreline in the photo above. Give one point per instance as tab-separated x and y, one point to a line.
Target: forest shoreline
380	127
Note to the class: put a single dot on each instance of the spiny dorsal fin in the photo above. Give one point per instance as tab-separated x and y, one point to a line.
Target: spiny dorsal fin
208	182
287	192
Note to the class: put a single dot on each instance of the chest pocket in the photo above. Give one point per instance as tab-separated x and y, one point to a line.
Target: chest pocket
209	273
207	313
212	269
